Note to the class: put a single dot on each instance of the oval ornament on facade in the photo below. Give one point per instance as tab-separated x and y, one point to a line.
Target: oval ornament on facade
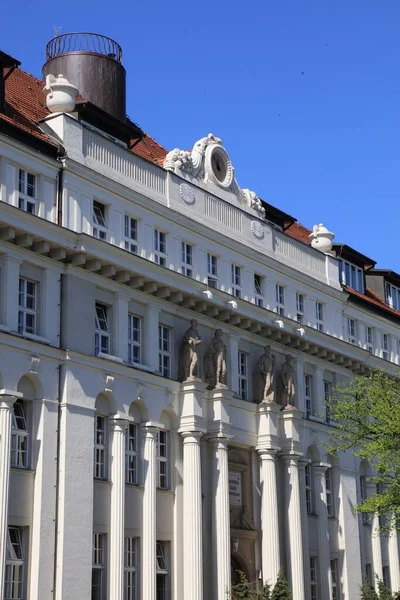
257	230
187	193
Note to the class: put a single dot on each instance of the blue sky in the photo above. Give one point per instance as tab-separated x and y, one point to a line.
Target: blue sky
305	95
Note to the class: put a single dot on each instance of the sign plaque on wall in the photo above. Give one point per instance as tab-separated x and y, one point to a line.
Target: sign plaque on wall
235	489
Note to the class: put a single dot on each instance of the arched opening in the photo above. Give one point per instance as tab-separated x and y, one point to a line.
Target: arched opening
238	565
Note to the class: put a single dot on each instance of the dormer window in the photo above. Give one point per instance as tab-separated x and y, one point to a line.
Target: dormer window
351	275
392	296
99	221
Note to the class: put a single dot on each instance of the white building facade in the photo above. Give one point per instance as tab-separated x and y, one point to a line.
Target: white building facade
119	481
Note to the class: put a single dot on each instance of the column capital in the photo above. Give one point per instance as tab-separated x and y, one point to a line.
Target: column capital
267	453
118	423
7	400
320	468
191	436
220	441
290	457
150	429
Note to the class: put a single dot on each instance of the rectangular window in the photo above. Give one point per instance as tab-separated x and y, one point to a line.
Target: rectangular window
280	300
308	394
212	270
100	447
134	340
368	573
335	580
187	259
27	199
162	571
243	375
27	307
164	347
327	397
15	563
98	567
258	289
392	294
351	276
363	495
386	577
308	489
162	459
313	578
385	347
131	454
236	273
319	316
19	437
131	554
369	339
160	248
300	315
351	331
329	493
130	230
102	330
99	221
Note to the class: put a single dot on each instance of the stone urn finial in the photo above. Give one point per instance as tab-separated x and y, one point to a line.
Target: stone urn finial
61	94
321	238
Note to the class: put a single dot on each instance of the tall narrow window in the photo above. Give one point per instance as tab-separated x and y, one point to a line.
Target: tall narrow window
160	248
319	316
280	300
351	331
162	459
27	307
99	221
313	577
258	289
131	587
212	270
308	394
368	573
236	273
27	199
329	493
386	577
335	580
243	375
134	340
392	296
369	339
162	571
130	230
363	495
102	332
327	398
351	275
308	489
15	563
164	347
19	437
300	316
131	454
98	566
385	347
187	259
100	447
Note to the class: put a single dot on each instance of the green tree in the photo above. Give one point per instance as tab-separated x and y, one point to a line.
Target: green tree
367	410
384	592
281	589
245	590
368	592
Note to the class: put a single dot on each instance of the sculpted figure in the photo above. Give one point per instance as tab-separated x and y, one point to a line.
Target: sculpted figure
288	384
189	357
214	361
266	366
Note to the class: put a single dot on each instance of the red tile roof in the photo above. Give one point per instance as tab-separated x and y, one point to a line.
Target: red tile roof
299	233
372	298
25	105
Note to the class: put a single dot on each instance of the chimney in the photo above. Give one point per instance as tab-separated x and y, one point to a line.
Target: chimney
6	62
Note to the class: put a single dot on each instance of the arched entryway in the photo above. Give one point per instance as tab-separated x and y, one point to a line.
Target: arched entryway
239	563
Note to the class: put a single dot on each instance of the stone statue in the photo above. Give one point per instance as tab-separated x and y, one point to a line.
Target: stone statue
266	366
188	354
214	362
288	384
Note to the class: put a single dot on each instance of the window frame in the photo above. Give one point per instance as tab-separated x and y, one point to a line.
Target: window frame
102	335
99	564
351	275
19	437
135	343
187	259
160	247
243	375
258	283
300	308
385	346
329	490
236	280
313	578
352	331
14	580
132	454
327	396
162	452
131	567
308	488
164	351
100	448
280	299
334	566
308	394
27	202
99	220
212	270
319	315
24	310
162	570
130	234
392	296
369	338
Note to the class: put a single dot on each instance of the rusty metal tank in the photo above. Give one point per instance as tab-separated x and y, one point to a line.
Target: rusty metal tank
93	64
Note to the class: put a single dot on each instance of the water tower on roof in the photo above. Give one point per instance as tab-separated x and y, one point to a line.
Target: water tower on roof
93	64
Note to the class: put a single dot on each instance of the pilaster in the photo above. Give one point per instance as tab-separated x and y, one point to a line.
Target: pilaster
304	527
269	517
323	530
375	540
120	312
151	322
11	265
149	561
394	562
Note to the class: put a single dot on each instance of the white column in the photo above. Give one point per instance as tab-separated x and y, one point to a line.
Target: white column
394	563
221	520
375	541
192	517
269	518
293	526
6	408
323	531
304	528
120	346
117	509
11	289
151	321
149	515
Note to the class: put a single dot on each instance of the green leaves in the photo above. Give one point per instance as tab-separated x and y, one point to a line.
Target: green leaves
245	590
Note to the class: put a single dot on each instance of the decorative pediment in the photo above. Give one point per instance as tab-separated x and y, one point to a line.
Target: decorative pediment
208	161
